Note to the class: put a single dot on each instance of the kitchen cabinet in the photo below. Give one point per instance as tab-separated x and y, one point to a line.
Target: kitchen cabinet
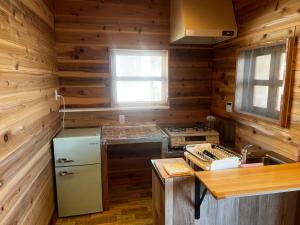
114	135
172	196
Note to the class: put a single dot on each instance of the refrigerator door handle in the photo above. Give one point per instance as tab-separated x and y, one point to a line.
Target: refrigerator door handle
65	173
64	160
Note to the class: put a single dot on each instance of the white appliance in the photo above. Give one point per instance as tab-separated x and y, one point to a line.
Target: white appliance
77	159
202	21
179	137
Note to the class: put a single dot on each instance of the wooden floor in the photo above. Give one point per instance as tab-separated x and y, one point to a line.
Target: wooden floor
131	204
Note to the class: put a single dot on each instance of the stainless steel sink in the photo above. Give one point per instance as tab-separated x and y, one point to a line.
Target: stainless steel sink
267	158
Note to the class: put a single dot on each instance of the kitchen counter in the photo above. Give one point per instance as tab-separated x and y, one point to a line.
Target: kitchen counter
123	135
171	196
242	196
158	167
251	181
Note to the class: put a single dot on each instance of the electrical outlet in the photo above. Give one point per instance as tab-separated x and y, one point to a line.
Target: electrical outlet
229	106
122	119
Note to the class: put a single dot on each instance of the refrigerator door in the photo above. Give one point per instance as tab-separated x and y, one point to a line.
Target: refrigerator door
79	190
76	151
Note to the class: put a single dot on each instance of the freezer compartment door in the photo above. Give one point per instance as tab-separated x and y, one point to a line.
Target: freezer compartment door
76	151
79	190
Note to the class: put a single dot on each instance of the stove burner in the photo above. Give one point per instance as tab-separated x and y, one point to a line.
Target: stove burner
201	127
177	129
198	127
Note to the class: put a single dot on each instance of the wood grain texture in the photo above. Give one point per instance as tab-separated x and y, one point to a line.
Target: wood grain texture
158	201
86	30
140	143
256	181
259	22
160	166
29	115
161	116
172	196
271	209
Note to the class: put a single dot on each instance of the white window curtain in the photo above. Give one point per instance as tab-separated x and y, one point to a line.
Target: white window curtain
139	77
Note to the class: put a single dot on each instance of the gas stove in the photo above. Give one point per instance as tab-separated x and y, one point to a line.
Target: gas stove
185	129
179	137
200	127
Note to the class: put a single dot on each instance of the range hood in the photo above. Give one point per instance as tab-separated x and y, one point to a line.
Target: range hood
202	21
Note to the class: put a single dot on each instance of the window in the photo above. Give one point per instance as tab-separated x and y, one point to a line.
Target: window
261	80
139	77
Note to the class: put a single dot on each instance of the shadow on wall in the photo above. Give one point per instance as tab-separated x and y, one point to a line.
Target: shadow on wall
226	128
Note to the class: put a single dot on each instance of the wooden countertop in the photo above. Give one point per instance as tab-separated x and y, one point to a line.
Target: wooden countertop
158	167
160	163
251	181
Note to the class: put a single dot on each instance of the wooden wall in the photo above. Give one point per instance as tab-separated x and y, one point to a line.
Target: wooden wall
28	112
86	30
259	21
128	164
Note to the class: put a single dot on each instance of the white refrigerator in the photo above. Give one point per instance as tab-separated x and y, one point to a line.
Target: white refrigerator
77	159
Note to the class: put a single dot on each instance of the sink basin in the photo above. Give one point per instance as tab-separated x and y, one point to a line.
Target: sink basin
266	160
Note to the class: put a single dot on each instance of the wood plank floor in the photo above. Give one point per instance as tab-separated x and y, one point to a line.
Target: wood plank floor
131	204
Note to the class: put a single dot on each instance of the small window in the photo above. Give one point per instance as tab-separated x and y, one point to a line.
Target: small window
139	77
261	81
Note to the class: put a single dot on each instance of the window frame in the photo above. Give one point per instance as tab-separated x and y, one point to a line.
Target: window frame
163	78
272	83
285	105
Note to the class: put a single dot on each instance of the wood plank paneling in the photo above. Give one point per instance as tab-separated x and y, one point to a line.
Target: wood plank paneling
86	30
19	25
160	116
29	115
259	22
131	160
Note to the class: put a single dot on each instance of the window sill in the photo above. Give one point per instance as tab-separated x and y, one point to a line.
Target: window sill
254	117
137	108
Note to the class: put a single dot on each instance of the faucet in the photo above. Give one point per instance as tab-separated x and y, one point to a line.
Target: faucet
244	152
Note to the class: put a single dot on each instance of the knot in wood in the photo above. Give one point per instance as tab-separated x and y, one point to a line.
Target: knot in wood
5	138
